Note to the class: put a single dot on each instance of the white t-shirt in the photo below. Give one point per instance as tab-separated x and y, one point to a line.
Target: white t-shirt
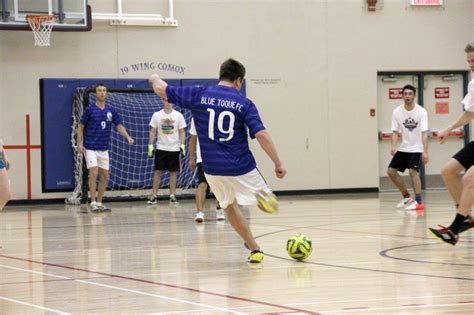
468	100
168	126
410	124
192	131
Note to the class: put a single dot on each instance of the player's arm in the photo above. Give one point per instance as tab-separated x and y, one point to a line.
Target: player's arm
151	140
424	140
265	141
158	85
182	141
80	138
121	130
192	151
465	118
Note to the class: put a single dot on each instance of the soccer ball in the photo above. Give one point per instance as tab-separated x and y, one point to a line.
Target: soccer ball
299	247
267	202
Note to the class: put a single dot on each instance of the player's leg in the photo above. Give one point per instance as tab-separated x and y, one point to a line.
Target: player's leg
224	190
5	193
451	174
463	197
173	166
200	194
158	167
400	162
241	226
413	170
93	169
103	164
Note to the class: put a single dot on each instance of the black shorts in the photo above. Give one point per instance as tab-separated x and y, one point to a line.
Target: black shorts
466	155
403	160
167	161
200	174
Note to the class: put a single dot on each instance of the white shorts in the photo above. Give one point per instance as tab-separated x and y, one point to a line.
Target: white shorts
242	188
97	158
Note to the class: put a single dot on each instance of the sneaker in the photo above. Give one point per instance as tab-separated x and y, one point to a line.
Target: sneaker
103	208
173	200
256	256
199	217
445	235
405	202
152	200
466	225
415	206
95	207
220	216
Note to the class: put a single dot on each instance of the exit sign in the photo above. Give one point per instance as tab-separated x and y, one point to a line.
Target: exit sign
427	2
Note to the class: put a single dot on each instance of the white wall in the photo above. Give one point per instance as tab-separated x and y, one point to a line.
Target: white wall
323	55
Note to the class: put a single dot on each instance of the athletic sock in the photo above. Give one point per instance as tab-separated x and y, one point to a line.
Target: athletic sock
418	198
456	225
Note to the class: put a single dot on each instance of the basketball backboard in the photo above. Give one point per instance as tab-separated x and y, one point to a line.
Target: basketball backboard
72	15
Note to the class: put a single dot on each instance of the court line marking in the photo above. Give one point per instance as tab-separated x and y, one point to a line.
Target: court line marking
43	308
406	307
161	284
123	289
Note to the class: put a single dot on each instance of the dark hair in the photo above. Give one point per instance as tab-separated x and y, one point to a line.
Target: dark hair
409	87
231	70
469	48
100	84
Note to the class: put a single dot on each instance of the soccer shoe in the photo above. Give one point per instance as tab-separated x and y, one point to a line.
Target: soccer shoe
173	200
95	207
415	206
405	202
199	217
256	257
466	225
152	200
220	216
445	235
267	202
103	208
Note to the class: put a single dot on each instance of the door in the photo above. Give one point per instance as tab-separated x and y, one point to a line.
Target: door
442	96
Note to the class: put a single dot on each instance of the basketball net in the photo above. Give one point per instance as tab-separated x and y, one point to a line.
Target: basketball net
41	25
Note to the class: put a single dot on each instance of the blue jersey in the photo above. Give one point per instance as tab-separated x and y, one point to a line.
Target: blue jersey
98	126
221	115
3	164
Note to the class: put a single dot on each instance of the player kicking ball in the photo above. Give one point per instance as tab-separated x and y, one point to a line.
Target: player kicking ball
222	117
460	188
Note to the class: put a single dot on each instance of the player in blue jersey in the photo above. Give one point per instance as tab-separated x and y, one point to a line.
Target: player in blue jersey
5	193
93	140
222	117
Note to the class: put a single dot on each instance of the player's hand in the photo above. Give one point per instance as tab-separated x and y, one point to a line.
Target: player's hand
81	149
280	171
424	158
443	135
153	78
151	150
392	151
182	149
130	140
192	164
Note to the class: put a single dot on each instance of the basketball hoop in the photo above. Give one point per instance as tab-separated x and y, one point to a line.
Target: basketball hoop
41	25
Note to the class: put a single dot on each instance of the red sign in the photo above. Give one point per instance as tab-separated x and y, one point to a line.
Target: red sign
395	93
442	92
442	108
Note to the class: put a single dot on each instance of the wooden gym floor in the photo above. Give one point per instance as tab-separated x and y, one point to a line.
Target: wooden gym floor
368	258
